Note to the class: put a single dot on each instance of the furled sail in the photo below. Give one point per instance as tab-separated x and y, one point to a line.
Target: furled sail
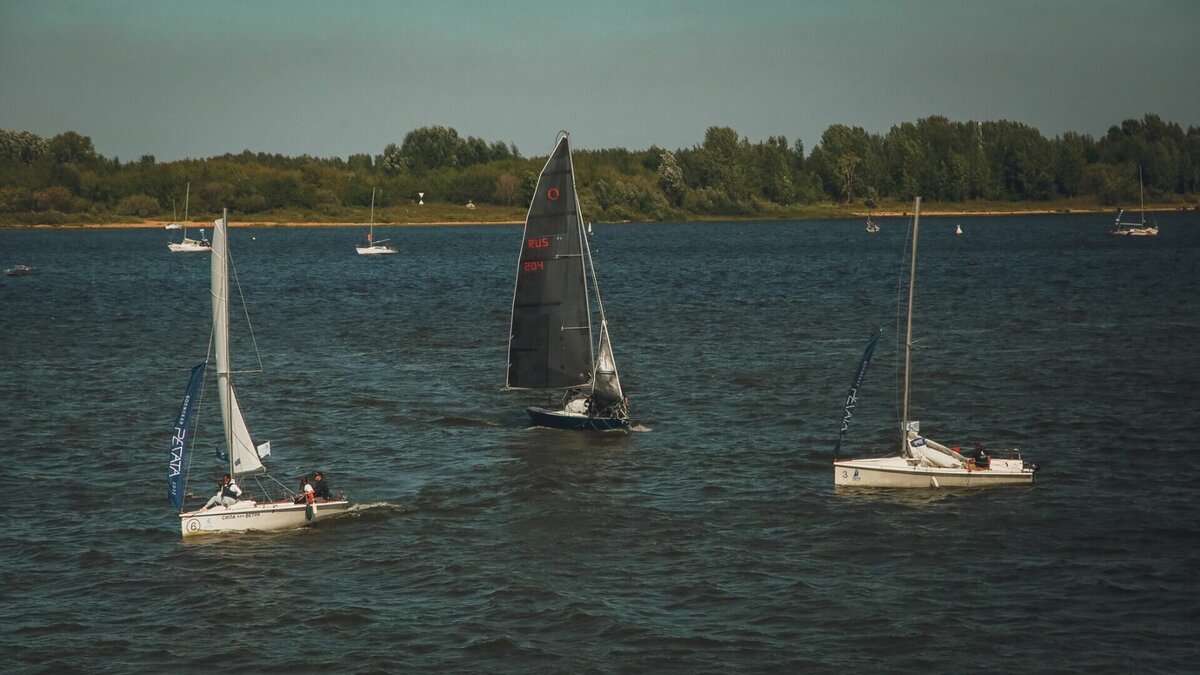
550	340
177	465
852	395
606	388
242	454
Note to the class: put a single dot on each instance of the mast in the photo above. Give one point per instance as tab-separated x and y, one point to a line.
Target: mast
1142	194
371	236
220	293
912	277
187	195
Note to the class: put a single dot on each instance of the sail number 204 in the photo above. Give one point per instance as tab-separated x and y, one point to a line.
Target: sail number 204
535	243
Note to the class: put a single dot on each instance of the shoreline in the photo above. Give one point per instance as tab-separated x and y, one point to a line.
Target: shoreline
846	215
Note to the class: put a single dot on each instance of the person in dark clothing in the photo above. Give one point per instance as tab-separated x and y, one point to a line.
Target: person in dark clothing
228	493
982	461
320	488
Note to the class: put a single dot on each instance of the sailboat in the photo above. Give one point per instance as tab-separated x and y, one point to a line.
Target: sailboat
958	230
922	462
871	226
372	247
254	510
551	343
1136	230
188	245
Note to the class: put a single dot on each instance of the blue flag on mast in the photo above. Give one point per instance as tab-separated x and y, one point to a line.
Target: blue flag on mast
179	438
852	396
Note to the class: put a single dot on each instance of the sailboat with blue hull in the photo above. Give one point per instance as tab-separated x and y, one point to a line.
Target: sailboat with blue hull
552	344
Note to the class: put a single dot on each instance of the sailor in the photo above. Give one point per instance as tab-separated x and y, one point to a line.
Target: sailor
982	461
320	488
305	495
227	493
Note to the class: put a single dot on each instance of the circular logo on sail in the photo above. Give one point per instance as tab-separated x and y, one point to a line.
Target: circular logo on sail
193	525
552	194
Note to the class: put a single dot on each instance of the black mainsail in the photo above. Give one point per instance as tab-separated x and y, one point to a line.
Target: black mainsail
550	342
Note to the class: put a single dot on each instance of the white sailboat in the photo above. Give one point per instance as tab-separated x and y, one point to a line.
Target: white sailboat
871	226
188	245
922	462
1131	229
256	509
372	247
958	230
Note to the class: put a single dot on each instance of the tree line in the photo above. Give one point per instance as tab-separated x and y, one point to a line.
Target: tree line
63	179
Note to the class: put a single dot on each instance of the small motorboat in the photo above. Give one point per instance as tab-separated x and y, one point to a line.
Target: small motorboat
21	271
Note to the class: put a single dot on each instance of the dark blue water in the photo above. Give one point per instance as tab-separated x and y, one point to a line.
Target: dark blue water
708	540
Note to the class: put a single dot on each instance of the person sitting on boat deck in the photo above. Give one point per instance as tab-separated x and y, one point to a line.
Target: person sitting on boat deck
982	461
306	492
320	488
228	493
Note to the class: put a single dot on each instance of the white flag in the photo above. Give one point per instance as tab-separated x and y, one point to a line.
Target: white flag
264	450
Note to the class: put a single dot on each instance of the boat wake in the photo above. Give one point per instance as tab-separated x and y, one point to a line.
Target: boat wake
374	507
641	428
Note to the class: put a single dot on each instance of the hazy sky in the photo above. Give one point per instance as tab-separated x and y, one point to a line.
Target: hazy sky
199	78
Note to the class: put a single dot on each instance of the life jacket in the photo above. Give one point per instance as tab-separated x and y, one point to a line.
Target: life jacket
227	491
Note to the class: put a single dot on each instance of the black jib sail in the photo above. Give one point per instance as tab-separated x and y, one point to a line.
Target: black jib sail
550	341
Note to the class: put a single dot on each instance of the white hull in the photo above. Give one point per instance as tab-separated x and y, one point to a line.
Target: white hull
254	516
188	246
172	226
897	472
377	249
1137	232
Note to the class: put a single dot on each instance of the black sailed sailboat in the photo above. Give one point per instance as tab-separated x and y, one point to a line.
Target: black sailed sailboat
551	341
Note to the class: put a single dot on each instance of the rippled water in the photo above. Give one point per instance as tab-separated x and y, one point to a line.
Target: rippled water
708	540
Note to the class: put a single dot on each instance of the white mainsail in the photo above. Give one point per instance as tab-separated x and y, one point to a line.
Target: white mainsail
243	458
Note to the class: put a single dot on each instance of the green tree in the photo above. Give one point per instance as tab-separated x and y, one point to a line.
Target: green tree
670	178
508	187
138	205
70	147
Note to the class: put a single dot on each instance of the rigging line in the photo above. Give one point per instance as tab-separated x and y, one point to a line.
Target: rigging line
245	309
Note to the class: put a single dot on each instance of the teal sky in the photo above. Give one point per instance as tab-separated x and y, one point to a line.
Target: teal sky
177	79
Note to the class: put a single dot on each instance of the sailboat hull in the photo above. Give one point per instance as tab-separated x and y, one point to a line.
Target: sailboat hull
378	249
562	419
897	472
247	516
188	246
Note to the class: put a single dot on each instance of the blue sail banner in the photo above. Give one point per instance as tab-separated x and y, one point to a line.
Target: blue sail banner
179	438
852	396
